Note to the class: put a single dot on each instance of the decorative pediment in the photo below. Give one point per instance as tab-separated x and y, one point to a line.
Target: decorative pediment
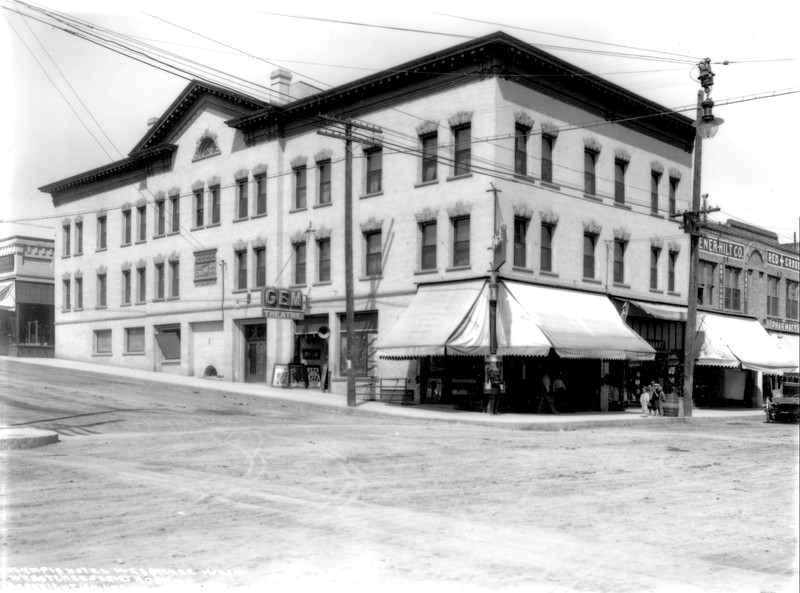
174	256
174	192
523	211
198	185
656	243
159	259
549	129
592	145
674	247
259	170
549	217
656	167
459	209
159	196
675	174
79	274
622	234
298	162
101	270
323	155
141	263
126	266
620	154
460	119
322	233
427	127
240	245
214	181
426	215
297	237
259	242
241	175
591	227
371	225
523	119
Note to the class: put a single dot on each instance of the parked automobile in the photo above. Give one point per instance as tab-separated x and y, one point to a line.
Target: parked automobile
785	404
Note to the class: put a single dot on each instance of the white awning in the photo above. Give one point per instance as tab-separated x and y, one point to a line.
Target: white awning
789	344
728	341
666	312
7	296
580	324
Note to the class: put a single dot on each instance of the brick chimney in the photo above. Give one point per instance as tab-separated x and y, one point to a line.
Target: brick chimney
281	81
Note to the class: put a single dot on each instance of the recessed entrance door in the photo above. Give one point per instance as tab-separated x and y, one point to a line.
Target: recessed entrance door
255	360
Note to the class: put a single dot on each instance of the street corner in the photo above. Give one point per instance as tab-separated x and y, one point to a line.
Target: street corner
25	438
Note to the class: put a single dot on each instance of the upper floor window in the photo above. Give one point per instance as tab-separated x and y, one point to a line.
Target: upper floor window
175	204
546	255
521	134
520	241
141	213
78	238
427	245
772	296
260	256
589	172
241	270
175	279
102	341
127	227
673	188
374	170
101	290
324	175
619	180
141	280
655	254
215	204
242	201
67	240
324	260
199	208
126	287
300	187
672	262
547	158
66	298
78	293
373	244
655	181
206	146
161	218
300	263
160	282
705	283
791	300
589	243
619	260
430	147
102	232
261	194
461	241
462	150
732	288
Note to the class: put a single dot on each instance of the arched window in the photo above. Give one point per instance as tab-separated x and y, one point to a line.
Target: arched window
206	145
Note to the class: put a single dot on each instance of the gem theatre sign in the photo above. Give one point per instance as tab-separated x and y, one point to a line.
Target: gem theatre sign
281	303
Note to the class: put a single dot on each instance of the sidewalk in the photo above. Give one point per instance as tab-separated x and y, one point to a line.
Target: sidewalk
630	417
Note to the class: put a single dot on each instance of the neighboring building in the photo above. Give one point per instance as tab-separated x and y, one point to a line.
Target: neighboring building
746	279
26	292
226	195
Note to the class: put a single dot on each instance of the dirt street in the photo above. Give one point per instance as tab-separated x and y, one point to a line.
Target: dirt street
158	486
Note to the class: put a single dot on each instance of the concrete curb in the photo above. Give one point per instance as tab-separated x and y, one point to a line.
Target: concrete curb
25	438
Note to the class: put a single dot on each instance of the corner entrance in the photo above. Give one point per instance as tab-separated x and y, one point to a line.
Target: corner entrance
255	353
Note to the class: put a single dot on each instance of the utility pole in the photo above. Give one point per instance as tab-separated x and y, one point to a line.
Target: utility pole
348	137
705	127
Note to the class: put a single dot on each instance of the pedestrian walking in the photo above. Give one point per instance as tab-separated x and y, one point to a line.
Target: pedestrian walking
560	395
644	400
656	397
546	404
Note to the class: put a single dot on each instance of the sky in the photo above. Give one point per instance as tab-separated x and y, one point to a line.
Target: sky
74	105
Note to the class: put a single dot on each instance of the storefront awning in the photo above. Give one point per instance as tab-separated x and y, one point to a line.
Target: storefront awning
434	315
579	324
666	312
790	345
8	300
729	341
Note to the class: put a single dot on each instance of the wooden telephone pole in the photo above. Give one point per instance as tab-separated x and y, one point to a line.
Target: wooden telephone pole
347	135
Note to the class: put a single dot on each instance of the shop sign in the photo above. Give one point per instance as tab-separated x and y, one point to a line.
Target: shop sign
282	303
658	344
782	326
783	261
720	247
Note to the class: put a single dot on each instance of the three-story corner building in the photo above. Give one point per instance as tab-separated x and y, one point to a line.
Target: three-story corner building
217	246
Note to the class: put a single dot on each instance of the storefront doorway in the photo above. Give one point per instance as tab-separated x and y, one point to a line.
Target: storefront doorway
255	355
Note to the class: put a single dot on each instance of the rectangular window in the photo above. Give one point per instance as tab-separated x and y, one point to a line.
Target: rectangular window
127	227
140	211
175	277
66	288
261	194
772	296
324	260
546	256
101	290
161	218
374	171
241	270
102	341
241	191
655	254
732	291
126	287
791	300
428	246
260	254
589	172
673	188
673	259
374	243
364	354
299	263
619	181
462	155
67	236
430	148
521	149
589	242
102	230
199	208
461	236
547	158
215	205
300	188
705	283
655	181
175	207
324	174
520	241
169	342
160	281
78	294
619	261
141	279
78	238
134	340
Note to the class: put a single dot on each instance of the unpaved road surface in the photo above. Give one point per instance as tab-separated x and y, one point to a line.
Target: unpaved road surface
167	487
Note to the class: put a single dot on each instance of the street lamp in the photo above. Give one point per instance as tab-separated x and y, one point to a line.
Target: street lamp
706	126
